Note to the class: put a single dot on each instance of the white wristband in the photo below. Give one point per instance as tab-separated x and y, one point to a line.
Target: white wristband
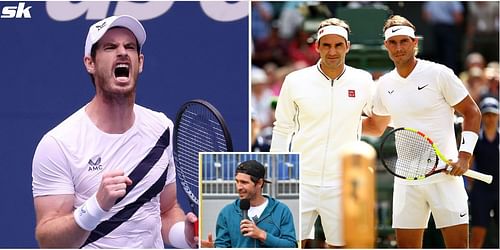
468	142
177	237
89	214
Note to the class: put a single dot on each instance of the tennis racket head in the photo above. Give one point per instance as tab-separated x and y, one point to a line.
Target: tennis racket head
409	154
198	127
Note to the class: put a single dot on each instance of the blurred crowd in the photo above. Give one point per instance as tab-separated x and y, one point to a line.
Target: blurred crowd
283	41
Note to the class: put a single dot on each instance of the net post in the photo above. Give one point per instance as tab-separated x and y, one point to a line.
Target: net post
358	195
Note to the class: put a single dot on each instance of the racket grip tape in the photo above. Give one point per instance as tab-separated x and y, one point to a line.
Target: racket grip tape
479	176
476	175
196	227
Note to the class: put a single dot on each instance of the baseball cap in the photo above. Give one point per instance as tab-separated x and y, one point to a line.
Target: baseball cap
252	168
98	29
489	105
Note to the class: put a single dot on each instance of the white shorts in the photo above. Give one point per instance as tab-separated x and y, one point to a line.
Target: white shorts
325	202
412	204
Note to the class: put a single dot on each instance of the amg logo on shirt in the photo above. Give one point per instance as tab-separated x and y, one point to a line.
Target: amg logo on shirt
95	165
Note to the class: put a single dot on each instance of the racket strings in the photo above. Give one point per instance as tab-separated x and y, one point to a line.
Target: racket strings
415	156
204	130
198	130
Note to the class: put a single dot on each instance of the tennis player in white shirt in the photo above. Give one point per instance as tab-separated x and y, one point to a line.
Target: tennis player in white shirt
105	176
319	111
424	95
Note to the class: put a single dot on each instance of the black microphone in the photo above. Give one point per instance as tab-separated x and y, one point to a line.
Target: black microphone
244	206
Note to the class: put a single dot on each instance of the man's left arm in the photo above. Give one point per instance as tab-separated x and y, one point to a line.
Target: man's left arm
287	238
471	125
177	228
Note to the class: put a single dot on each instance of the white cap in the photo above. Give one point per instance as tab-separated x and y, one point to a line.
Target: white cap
97	30
489	105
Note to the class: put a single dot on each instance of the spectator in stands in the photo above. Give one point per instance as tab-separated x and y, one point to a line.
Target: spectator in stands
291	18
321	107
446	18
302	48
269	222
262	16
261	136
261	96
484	197
482	28
472	60
273	49
492	76
476	83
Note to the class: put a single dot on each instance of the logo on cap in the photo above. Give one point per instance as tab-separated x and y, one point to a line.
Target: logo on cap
99	27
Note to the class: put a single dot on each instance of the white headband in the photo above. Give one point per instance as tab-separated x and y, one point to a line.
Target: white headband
333	30
398	31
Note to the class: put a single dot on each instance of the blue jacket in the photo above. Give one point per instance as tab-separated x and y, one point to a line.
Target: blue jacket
276	220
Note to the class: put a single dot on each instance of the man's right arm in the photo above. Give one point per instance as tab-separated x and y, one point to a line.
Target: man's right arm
54	198
284	124
375	125
223	236
55	224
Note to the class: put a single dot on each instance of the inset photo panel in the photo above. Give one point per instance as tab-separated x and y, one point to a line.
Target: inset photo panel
249	200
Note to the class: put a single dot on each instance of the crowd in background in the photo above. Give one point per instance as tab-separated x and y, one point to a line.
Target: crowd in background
464	34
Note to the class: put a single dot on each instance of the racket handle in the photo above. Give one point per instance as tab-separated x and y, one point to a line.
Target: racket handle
195	228
479	176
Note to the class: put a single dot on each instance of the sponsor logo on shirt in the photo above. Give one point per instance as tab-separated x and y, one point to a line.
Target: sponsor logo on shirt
95	165
421	87
351	93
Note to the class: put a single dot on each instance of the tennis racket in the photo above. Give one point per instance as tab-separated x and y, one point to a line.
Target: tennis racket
410	154
199	127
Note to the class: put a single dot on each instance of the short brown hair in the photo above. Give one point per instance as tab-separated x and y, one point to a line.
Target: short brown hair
397	20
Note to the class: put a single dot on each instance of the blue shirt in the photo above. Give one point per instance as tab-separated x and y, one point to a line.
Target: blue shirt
276	220
442	12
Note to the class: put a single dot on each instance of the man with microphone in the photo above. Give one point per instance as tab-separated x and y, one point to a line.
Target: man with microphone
254	220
